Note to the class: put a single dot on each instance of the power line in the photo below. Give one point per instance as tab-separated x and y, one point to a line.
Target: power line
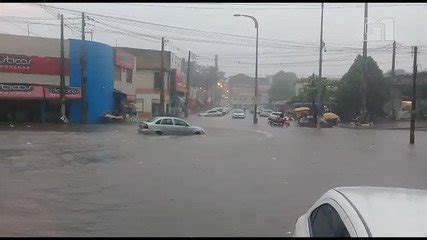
26	30
186	29
277	7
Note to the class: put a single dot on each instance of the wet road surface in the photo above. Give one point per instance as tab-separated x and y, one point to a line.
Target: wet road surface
238	180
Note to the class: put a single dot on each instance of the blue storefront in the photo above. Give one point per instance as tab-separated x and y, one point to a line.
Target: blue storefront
100	74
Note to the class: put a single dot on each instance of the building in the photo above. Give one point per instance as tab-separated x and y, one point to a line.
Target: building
177	92
30	79
242	90
109	76
30	70
401	94
124	89
148	82
300	83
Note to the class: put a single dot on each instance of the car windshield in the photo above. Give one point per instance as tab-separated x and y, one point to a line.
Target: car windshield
154	119
194	119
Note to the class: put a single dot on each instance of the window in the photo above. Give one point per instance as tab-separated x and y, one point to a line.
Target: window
128	75
154	120
158	121
179	122
167	121
326	222
139	104
118	74
157	81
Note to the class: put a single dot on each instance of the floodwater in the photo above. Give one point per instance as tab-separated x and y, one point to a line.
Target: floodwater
238	180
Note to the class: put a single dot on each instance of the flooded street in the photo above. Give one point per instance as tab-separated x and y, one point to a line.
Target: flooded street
238	180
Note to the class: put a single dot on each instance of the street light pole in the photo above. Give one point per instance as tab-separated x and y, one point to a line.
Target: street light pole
256	65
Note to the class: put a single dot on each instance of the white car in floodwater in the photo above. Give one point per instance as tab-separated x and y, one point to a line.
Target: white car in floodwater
212	113
366	212
169	126
238	113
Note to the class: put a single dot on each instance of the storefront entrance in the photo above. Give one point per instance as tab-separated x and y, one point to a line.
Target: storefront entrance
21	103
20	111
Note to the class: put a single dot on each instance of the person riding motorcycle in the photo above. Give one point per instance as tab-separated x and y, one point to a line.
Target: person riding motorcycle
278	120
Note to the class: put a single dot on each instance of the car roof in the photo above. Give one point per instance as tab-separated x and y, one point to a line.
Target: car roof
390	211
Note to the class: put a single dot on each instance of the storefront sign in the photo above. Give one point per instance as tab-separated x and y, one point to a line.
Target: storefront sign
51	92
125	59
20	91
32	64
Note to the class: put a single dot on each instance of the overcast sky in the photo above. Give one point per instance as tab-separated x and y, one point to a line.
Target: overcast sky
293	30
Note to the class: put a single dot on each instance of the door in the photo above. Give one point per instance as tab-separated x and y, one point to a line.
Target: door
155	109
182	127
166	126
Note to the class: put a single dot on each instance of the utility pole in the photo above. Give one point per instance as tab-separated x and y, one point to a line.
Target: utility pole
83	73
28	29
255	120
365	56
320	87
162	83
393	61
62	77
187	85
213	92
414	98
392	76
256	64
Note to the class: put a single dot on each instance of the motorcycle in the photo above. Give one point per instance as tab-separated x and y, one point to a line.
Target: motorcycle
278	121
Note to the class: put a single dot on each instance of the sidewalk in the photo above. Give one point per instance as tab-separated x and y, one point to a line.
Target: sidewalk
420	125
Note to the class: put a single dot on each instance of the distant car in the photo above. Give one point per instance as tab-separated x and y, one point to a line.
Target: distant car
366	212
169	126
211	113
265	113
275	114
238	113
221	109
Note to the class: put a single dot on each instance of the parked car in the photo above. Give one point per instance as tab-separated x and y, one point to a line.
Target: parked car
169	126
211	113
238	113
265	113
366	212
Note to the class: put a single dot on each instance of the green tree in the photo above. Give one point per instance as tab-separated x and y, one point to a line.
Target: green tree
203	76
309	92
349	91
282	87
